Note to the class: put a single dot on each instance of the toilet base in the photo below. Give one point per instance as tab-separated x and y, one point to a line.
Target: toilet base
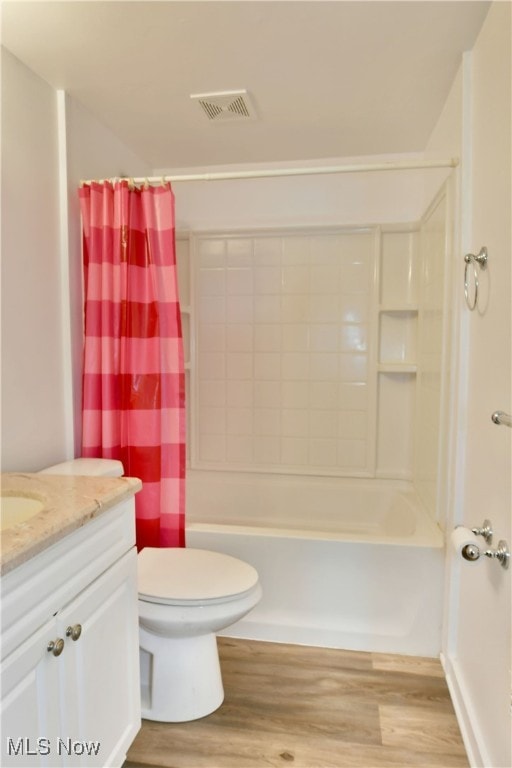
180	677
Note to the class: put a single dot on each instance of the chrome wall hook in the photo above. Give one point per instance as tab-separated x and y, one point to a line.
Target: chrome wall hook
485	531
481	260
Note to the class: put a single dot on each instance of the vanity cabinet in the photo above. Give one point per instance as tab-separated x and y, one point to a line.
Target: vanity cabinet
30	690
69	672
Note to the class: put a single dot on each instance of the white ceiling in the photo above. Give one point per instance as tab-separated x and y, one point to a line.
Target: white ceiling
328	79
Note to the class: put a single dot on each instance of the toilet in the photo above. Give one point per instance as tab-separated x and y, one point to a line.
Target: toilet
185	597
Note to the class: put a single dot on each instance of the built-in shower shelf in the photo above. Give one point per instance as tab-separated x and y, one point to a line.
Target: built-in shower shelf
185	309
397	368
398	308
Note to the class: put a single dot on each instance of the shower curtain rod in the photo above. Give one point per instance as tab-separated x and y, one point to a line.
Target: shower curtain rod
406	165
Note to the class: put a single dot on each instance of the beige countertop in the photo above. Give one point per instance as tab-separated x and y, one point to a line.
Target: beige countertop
70	501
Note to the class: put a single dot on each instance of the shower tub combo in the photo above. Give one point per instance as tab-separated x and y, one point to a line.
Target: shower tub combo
344	563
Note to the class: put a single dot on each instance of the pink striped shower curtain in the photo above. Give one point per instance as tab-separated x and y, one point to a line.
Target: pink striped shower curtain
134	382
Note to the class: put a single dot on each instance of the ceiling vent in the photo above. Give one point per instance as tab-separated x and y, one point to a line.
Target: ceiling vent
226	106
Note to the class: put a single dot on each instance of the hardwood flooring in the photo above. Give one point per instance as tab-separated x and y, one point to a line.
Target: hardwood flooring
288	705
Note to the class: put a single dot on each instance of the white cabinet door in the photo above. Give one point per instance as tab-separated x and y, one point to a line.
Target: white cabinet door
30	696
101	675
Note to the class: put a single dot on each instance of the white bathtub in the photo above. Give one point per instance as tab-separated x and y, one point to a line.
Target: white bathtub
344	563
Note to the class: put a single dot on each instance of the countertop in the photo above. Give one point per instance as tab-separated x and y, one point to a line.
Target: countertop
70	501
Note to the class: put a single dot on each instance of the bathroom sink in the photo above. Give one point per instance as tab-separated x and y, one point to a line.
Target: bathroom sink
16	509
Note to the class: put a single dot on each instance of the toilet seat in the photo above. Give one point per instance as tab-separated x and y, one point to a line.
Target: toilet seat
177	576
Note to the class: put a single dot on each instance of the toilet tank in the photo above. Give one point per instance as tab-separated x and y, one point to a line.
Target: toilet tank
97	467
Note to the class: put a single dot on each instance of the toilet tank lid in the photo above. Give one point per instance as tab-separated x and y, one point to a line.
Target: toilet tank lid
96	467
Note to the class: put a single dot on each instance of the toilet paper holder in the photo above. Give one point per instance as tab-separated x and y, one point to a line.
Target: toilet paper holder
485	530
473	552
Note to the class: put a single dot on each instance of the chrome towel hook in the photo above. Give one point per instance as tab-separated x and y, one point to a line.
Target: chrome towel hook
481	261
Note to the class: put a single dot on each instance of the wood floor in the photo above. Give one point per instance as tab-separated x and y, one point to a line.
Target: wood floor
288	705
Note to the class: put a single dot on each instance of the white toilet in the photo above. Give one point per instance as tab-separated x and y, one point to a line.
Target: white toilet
185	597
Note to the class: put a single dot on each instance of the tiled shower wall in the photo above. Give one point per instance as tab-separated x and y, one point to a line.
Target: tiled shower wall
318	351
283	328
315	352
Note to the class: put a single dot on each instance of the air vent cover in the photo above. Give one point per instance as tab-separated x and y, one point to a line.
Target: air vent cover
226	105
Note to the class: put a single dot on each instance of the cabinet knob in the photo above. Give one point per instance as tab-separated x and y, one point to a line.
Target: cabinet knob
55	646
74	632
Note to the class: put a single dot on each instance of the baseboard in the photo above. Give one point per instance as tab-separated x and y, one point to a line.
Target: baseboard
471	736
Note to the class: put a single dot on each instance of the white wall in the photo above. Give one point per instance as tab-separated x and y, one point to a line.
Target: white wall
41	328
33	428
482	653
477	641
446	138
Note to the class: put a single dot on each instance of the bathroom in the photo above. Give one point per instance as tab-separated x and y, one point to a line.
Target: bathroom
458	459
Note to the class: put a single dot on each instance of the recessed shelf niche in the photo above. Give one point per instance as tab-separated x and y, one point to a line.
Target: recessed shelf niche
398	338
397	353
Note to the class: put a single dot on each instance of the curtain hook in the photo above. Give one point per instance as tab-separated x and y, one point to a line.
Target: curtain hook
163	181
146	183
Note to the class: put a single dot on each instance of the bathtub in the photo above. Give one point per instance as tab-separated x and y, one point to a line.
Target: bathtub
344	563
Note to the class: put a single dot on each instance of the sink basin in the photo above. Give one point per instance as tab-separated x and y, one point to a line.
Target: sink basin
17	509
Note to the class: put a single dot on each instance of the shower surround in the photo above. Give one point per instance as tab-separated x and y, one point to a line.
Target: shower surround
314	379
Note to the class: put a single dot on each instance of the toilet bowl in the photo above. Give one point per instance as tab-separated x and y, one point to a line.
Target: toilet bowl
185	597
